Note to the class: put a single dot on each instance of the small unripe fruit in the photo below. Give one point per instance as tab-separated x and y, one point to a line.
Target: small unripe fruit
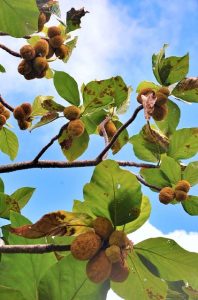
40	64
75	128
110	128
144	92
119	272
119	239
62	51
99	268
41	48
41	21
113	253
85	245
19	113
183	185
27	108
160	112
23	125
161	98
6	114
2	120
27	52
53	31
24	67
103	227
71	112
166	195
180	195
164	90
56	41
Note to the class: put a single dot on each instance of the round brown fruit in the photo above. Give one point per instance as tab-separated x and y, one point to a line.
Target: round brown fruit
161	98
72	112
53	31
41	48
19	113
145	92
166	195
2	120
27	108
99	268
41	21
164	90
50	52
119	272
2	108
119	239
24	67
6	114
30	76
180	195
113	253
183	185
103	227
27	52
62	51
160	112
56	41
86	245
110	128
40	64
23	125
75	128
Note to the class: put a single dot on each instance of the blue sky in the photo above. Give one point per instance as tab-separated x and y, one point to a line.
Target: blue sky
116	38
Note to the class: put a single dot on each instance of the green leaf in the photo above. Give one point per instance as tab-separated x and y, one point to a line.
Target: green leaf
73	20
51	105
49	73
140	284
172	262
145	211
147	84
22	195
24	271
9	143
122	139
190	205
37	108
2	69
71	45
1	186
8	293
67	87
121	91
183	143
73	147
170	122
187	89
191	173
175	291
91	121
18	18
46	119
68	280
156	62
82	207
6	205
171	169
155	177
113	193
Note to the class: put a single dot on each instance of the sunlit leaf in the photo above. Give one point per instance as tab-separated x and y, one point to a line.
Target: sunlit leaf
46	119
187	89
2	69
18	18
71	45
56	223
1	186
191	173
37	108
122	139
171	169
22	195
74	18
147	84
91	121
8	293
155	177
190	205
9	143
6	205
51	105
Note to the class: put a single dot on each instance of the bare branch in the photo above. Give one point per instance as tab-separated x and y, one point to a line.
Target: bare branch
116	135
10	51
34	249
6	104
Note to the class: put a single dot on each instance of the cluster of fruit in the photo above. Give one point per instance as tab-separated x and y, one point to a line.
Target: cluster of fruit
22	114
4	115
168	194
106	251
75	127
56	45
160	108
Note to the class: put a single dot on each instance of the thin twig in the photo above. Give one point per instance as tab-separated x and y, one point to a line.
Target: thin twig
140	179
116	135
34	249
10	51
6	104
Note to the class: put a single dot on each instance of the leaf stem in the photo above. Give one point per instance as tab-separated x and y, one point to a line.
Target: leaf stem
16	54
34	249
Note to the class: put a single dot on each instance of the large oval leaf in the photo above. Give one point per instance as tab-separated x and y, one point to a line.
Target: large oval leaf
191	173
187	89
190	205
9	143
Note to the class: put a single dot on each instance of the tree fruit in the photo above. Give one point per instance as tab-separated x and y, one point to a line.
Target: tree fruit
119	239
75	128
40	64
161	98
85	245
71	112
164	90
113	253
183	185
27	52
53	31
19	113
2	120
23	125
56	41
144	92
27	108
41	21
103	227
24	67
160	112
41	48
110	128
180	195
119	272
166	195
62	51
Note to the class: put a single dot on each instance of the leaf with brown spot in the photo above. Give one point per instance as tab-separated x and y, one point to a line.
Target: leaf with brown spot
7	203
51	105
148	102
57	223
187	89
47	118
74	18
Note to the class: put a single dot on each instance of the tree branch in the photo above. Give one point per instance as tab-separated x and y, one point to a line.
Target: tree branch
116	135
6	104
104	133
140	179
10	51
34	249
7	34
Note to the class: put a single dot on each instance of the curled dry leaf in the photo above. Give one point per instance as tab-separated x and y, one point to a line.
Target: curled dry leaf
148	102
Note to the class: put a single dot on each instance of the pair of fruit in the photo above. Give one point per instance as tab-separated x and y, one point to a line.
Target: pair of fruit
75	127
168	194
56	45
34	63
22	114
160	108
104	249
4	115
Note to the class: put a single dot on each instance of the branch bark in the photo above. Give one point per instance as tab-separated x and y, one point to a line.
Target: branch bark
6	104
16	54
33	249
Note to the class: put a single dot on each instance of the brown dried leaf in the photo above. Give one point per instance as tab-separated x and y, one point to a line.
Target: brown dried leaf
148	102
